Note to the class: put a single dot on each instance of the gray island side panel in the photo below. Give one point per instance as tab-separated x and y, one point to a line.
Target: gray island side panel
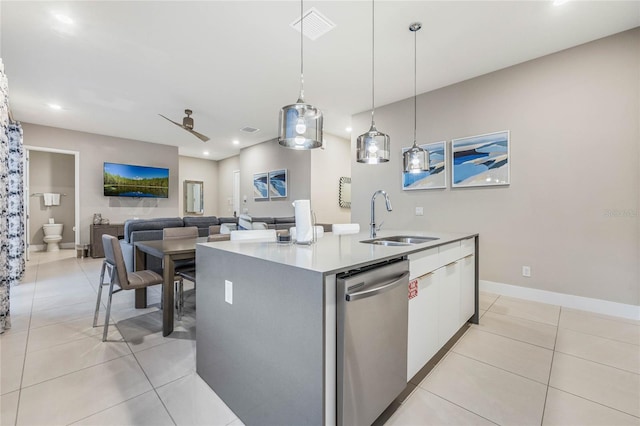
264	354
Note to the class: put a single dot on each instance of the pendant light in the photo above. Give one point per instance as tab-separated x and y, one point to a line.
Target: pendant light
373	146
415	159
300	123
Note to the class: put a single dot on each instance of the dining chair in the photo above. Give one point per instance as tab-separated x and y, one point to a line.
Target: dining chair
184	269
345	228
114	265
255	235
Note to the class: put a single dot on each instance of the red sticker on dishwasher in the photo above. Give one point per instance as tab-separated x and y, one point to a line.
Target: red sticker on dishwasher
413	289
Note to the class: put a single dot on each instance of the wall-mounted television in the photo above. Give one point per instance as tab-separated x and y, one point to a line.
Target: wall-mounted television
127	180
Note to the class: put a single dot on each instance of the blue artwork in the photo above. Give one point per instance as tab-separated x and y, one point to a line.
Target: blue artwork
278	183
260	186
436	177
481	160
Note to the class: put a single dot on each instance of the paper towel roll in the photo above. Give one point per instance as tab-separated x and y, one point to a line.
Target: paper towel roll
304	225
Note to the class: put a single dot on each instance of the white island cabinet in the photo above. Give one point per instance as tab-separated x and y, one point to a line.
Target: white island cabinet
445	298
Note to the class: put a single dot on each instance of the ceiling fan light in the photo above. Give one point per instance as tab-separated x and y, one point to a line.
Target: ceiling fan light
300	126
372	147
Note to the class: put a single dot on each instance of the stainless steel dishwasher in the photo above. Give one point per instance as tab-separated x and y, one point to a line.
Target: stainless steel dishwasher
372	340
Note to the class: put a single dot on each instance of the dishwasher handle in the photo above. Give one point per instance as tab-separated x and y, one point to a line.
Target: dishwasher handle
378	288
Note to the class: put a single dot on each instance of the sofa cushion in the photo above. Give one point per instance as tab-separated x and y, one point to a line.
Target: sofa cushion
265	219
233	219
132	225
200	221
288	219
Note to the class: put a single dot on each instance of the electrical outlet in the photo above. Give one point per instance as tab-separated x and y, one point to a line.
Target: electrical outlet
526	271
228	292
419	211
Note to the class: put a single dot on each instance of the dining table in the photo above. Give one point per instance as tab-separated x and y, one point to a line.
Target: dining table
169	251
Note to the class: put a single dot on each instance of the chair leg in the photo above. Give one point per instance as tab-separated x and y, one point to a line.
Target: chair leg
106	319
95	315
179	298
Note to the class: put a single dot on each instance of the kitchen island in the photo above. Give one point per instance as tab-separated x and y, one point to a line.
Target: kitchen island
267	319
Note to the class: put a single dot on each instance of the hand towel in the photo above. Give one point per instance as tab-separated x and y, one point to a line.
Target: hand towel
55	199
48	199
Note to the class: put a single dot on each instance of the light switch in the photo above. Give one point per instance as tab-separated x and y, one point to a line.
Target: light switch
228	292
419	211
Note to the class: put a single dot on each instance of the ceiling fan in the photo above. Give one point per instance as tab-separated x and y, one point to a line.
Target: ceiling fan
187	124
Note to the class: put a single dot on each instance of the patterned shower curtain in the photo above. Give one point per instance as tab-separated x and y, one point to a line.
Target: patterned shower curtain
11	203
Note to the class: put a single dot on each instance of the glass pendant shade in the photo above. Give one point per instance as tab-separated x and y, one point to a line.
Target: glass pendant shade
373	147
300	126
416	160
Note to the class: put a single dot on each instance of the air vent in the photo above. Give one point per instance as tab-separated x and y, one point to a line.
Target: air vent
248	129
315	24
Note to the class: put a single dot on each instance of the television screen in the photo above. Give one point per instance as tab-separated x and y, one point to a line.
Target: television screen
126	180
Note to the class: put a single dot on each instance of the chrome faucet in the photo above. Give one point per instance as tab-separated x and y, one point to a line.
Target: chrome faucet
373	211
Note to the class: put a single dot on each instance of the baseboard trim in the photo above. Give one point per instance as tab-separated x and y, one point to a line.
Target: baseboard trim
42	247
599	306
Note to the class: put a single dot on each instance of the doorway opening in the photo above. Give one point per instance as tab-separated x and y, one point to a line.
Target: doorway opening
52	196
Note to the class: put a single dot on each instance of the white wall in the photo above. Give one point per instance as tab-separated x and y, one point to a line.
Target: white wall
94	151
266	157
327	167
51	172
202	170
572	211
226	168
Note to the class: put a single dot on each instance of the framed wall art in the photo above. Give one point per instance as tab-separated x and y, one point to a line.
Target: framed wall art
278	184
260	186
481	160
436	177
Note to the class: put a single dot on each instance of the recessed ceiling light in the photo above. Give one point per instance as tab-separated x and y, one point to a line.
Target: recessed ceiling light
55	106
559	2
205	153
63	18
236	142
349	129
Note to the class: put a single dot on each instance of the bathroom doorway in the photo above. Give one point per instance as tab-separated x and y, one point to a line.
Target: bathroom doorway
51	189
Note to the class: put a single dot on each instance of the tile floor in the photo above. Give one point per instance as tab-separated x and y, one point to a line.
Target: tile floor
525	364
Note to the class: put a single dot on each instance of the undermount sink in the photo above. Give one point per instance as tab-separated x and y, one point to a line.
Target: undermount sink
399	240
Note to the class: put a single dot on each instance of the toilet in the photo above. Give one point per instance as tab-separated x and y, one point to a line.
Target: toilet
52	235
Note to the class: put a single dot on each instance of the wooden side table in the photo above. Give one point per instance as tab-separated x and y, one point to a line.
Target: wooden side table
96	233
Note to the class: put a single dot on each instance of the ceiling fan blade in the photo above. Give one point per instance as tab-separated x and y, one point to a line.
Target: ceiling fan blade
200	136
177	124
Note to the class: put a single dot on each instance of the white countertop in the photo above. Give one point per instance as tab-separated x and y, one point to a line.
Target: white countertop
334	253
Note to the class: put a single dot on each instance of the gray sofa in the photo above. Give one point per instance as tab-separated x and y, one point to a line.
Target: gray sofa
261	222
136	230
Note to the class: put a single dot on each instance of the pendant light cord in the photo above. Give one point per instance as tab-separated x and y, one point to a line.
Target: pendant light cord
301	50
415	78
373	62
